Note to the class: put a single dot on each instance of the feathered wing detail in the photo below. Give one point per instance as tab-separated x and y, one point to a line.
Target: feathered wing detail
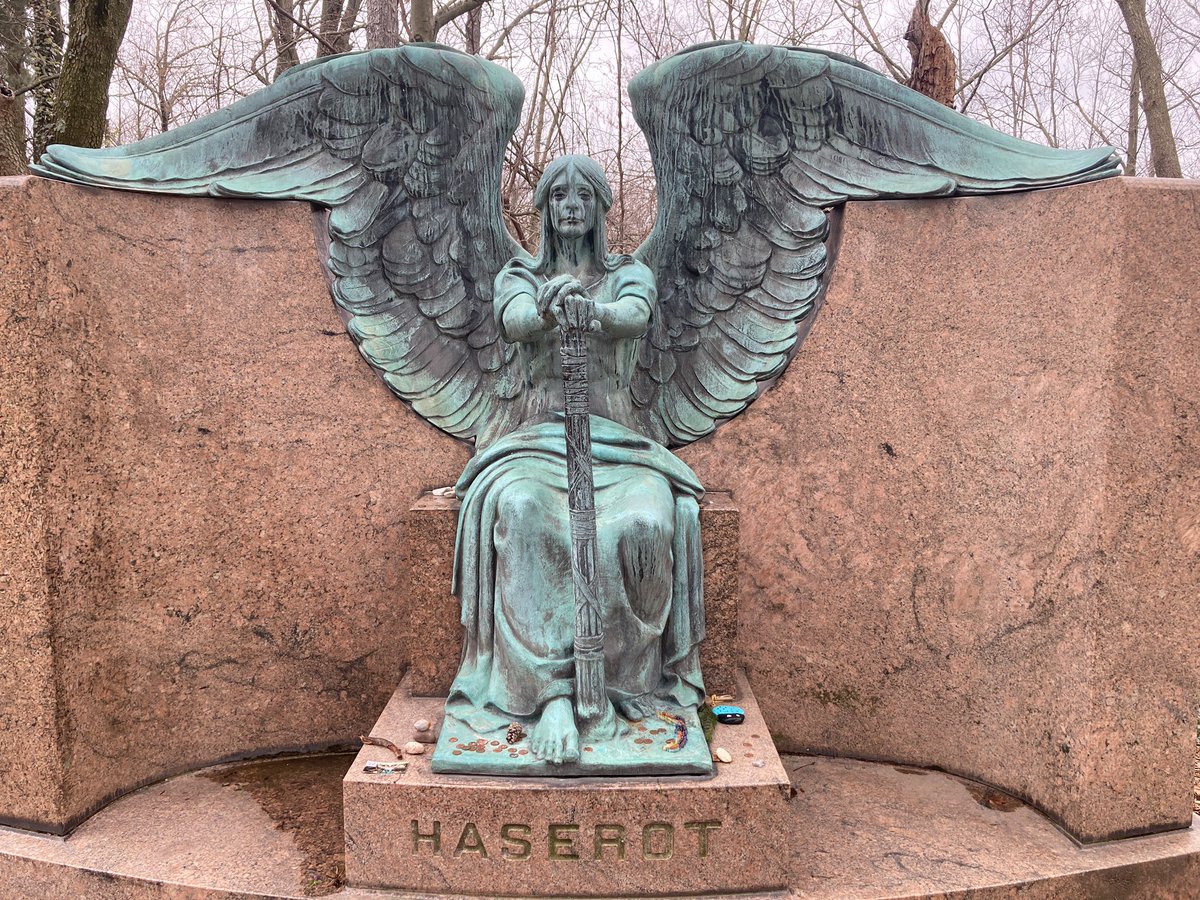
750	145
405	147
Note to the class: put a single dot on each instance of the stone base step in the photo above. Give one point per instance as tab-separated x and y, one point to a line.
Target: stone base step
655	836
856	831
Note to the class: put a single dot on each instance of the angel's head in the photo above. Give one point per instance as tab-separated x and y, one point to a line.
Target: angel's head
573	198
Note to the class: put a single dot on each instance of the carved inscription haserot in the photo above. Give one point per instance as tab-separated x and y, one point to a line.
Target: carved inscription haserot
567	841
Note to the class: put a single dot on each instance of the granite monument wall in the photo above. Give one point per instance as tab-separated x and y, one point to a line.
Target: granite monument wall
969	510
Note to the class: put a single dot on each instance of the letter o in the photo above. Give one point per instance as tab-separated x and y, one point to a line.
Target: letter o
649	831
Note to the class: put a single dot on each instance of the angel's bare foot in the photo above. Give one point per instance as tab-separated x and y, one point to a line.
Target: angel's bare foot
637	708
555	737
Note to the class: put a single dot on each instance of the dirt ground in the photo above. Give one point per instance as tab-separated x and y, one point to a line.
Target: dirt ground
304	796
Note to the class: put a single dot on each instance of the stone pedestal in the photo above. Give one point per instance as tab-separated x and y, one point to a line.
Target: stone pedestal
579	837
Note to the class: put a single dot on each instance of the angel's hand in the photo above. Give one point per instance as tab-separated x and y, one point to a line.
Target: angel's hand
577	311
549	297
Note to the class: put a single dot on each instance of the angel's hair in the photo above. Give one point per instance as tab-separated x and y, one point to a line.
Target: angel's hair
589	171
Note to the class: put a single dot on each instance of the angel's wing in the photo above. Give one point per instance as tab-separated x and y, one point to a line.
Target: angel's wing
405	147
750	145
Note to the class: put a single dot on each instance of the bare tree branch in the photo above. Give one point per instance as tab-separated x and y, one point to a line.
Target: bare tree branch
452	11
274	4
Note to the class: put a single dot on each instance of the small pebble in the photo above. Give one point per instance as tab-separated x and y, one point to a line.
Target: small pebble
422	725
414	748
759	763
722	755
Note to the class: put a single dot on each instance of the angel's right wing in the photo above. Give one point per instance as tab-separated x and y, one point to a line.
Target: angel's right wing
751	144
405	147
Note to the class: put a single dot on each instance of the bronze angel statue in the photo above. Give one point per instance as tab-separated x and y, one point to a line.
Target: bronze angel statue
751	145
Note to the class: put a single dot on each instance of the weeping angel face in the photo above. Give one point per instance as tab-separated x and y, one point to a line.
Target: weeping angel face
572	205
573	197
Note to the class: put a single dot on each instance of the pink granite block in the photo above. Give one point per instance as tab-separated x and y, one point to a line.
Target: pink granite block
576	837
975	501
30	763
208	485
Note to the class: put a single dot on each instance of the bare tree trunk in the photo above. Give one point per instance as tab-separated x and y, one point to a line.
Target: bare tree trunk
95	31
12	139
1164	157
1135	126
932	59
280	14
426	25
423	24
349	20
14	47
383	24
337	21
474	31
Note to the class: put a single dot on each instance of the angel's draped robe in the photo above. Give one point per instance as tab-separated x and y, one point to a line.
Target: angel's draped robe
512	569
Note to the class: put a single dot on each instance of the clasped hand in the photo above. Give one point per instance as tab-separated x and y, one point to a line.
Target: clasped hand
562	303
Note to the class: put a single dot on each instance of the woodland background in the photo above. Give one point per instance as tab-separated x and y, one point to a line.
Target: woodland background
1068	73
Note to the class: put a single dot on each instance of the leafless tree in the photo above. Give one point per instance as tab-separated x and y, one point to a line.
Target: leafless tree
1057	71
80	101
933	70
1164	157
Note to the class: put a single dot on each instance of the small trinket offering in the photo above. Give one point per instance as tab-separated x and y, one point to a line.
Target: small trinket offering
515	733
679	739
414	748
385	768
722	755
424	732
729	715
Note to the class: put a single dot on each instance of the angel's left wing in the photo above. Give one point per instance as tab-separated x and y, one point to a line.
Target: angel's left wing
751	144
404	146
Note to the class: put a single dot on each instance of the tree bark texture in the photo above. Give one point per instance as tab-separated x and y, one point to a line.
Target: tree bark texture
1135	124
475	31
1164	157
12	139
95	29
421	17
337	21
283	32
932	58
14	48
383	24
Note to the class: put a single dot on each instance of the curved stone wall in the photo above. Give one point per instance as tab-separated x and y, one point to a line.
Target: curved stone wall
968	528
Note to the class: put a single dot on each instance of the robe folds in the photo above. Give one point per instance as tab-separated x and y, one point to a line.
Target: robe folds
512	574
